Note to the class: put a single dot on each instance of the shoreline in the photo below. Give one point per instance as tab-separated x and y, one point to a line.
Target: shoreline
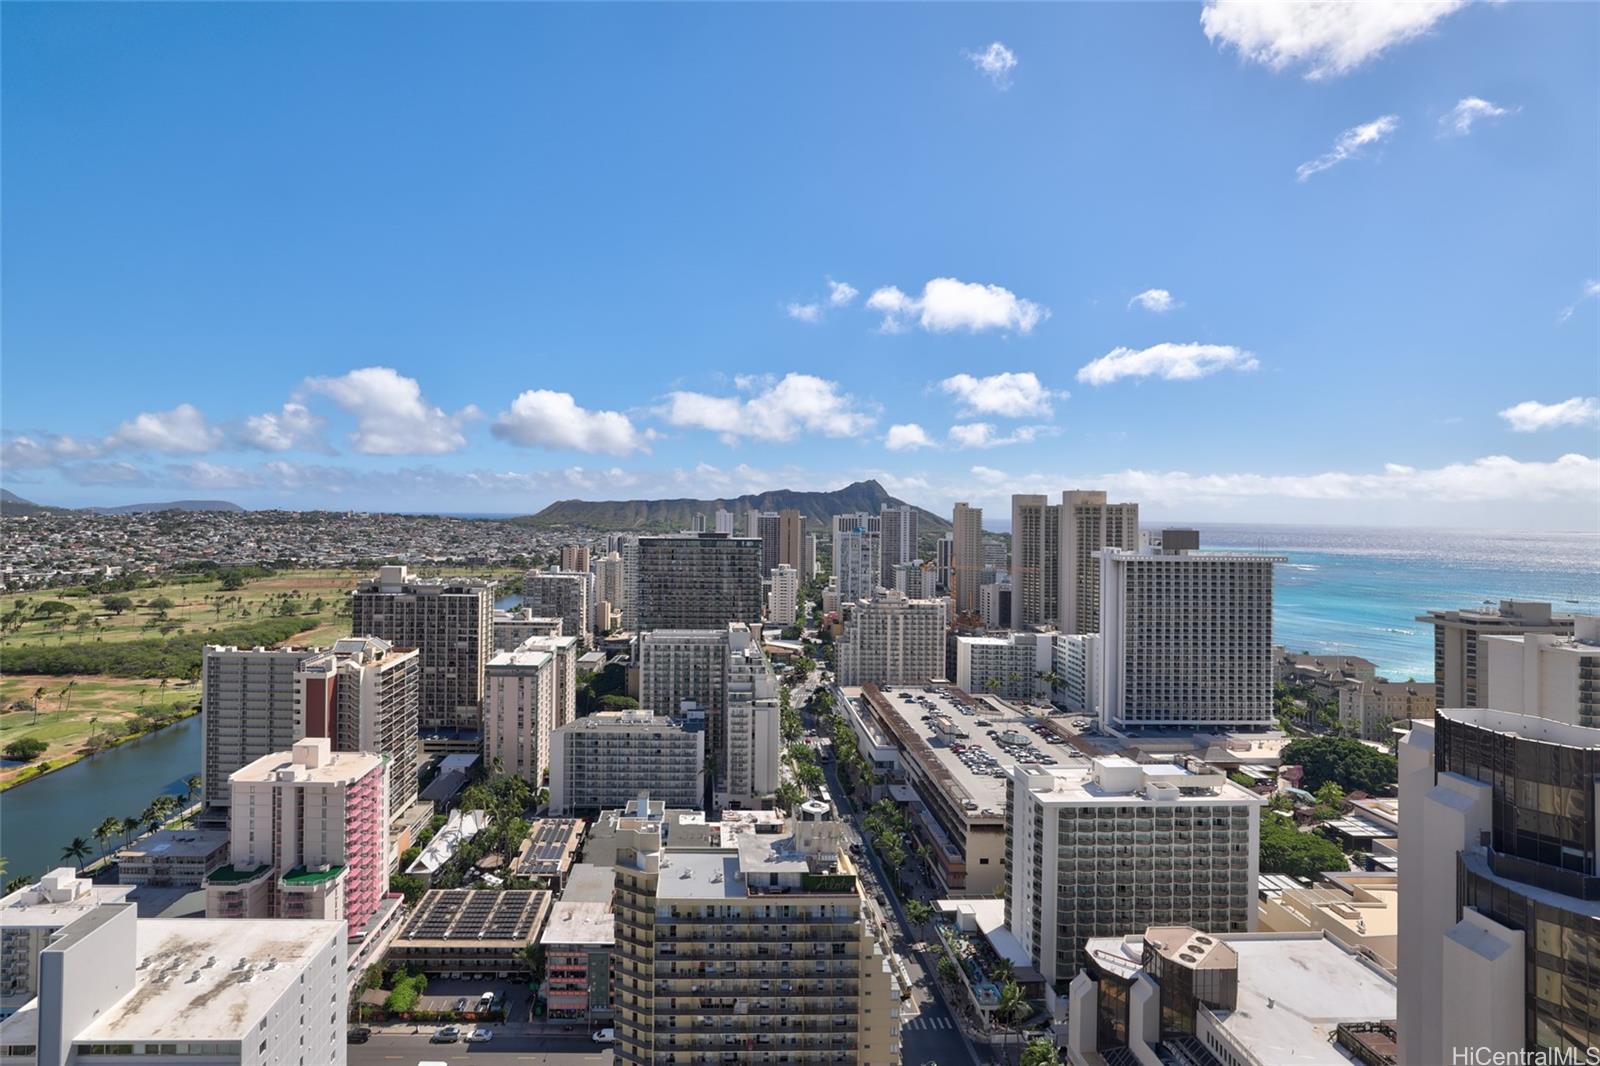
51	766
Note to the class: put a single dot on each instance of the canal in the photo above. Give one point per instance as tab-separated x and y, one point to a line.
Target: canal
41	817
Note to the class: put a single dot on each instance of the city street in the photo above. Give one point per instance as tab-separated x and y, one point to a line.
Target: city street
406	1049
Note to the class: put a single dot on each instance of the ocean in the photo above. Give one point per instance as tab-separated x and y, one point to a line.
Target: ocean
1358	591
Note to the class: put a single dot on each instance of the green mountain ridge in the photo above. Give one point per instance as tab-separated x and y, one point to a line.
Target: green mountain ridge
674	515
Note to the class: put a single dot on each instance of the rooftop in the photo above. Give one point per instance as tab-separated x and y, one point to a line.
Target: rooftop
574	922
1526	726
479	915
209	978
1120	779
310	761
549	847
520	657
300	875
177	844
57	899
234	875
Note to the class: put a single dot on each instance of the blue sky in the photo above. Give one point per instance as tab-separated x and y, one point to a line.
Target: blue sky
475	258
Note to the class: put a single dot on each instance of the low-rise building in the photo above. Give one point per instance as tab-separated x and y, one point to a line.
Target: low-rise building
548	851
117	988
1360	911
1175	994
578	941
465	933
173	857
604	760
1371	709
31	916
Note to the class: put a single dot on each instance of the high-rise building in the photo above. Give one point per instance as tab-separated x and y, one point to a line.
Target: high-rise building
966	557
247	710
916	580
225	993
1078	666
768	528
1010	666
808	559
724	674
994	600
31	917
890	640
1186	636
519	711
628	548
565	650
944	562
561	594
1035	561
724	522
450	623
856	554
1122	845
897	528
1539	673
1457	644
310	837
699	581
363	694
1499	925
605	759
511	628
791	538
611	582
699	523
574	557
782	924
1088	525
784	600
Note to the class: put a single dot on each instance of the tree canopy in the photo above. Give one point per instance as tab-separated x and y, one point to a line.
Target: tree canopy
1343	760
1286	850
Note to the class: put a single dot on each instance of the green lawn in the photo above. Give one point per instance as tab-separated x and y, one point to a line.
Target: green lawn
66	720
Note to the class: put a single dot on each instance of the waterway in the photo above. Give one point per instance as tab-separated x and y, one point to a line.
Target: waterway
40	818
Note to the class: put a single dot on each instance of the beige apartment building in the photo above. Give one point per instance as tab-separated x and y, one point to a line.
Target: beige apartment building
604	760
754	953
1458	665
519	711
890	640
1088	526
363	694
966	556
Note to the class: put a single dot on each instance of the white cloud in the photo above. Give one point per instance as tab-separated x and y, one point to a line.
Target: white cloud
1591	290
948	304
908	436
996	62
22	452
1350	144
1326	37
392	418
1158	300
1010	395
1467	112
117	473
983	435
840	293
1530	416
204	475
293	427
182	429
780	412
545	419
1171	362
804	312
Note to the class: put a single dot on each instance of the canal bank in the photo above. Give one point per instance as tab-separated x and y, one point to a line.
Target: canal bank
41	816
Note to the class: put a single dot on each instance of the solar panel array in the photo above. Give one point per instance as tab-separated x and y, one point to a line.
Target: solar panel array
475	914
551	844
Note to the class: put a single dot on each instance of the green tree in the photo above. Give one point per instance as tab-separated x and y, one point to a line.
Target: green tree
191	789
1349	762
76	851
918	912
160	604
106	830
1040	1052
25	749
1286	850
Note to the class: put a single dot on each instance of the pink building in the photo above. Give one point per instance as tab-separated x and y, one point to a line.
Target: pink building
309	831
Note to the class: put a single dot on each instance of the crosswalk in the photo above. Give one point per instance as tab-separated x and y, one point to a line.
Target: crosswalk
926	1021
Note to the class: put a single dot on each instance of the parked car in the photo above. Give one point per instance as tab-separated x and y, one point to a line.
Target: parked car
448	1035
480	1035
359	1034
461	1004
605	1036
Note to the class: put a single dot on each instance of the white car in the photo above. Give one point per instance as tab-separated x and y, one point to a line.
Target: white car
605	1036
479	1035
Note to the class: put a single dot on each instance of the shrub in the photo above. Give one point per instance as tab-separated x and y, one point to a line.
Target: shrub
25	749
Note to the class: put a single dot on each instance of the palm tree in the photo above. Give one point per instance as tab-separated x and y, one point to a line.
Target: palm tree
38	694
191	787
67	697
92	722
76	851
130	826
106	830
1013	1007
162	688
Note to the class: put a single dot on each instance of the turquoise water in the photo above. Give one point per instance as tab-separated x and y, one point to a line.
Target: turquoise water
1358	591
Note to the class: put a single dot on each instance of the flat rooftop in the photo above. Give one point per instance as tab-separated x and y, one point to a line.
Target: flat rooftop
977	780
1295	991
456	915
1077	784
209	978
58	899
549	848
177	844
580	922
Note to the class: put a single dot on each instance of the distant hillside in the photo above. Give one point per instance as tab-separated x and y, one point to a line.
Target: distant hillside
16	507
672	515
171	505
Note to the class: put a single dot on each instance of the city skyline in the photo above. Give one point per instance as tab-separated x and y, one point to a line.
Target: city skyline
477	260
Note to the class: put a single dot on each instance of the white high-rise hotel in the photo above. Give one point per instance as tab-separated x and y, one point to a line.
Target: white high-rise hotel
1055	566
1186	636
784	600
890	640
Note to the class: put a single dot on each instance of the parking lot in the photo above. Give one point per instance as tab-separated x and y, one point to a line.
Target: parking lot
515	1045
